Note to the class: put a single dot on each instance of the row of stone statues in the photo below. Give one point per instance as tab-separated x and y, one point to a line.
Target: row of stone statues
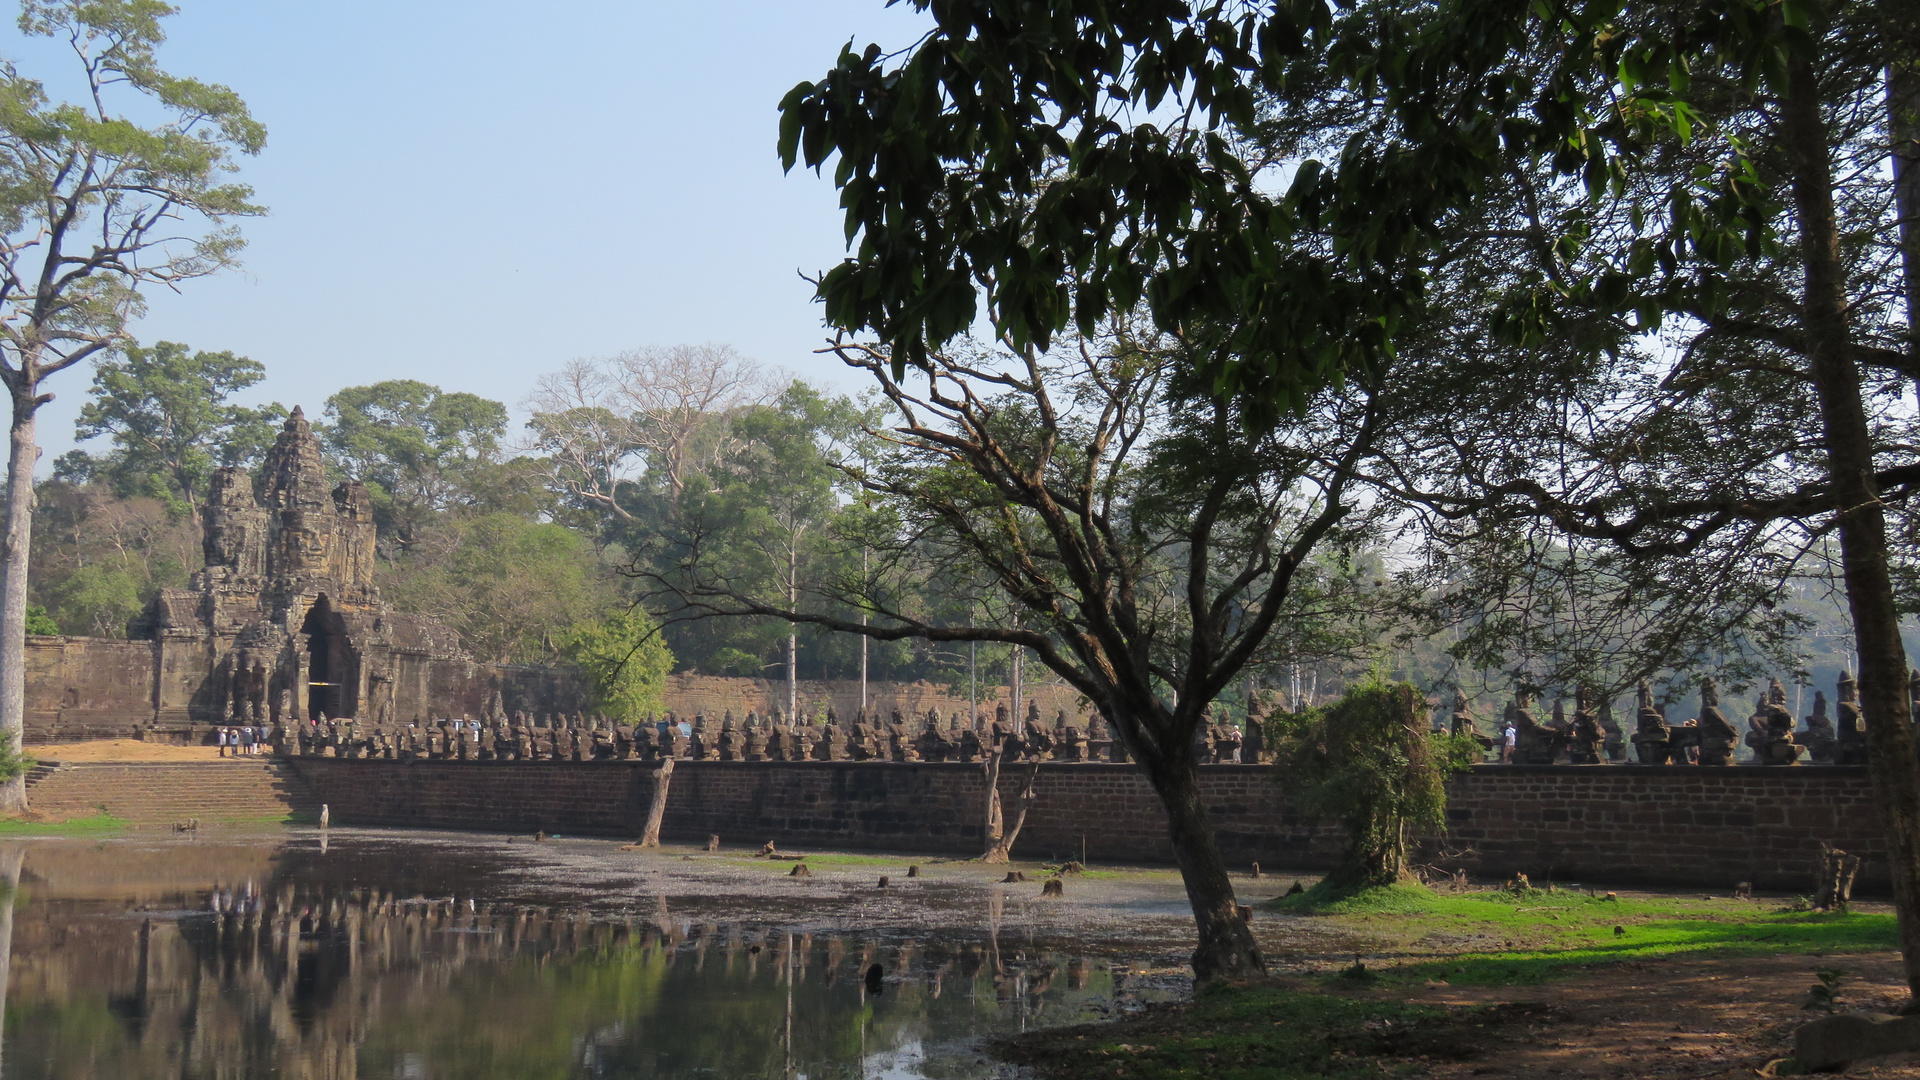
1593	737
1590	737
520	737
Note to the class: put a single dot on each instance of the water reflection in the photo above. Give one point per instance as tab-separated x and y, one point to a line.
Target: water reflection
270	966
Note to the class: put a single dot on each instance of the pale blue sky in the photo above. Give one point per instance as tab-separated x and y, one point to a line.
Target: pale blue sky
472	193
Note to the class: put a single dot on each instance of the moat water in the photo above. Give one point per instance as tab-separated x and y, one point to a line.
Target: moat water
447	957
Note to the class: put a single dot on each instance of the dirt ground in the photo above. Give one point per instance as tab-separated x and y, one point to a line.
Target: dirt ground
121	750
1691	1018
1683	1017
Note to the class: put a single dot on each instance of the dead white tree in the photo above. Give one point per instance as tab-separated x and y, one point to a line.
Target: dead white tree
1003	830
610	421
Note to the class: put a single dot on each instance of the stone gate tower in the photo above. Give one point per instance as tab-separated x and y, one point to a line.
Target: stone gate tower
285	621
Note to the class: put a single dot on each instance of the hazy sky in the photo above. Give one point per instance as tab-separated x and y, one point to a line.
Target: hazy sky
473	193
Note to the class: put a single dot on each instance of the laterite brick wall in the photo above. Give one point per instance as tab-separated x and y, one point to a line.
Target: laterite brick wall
1597	824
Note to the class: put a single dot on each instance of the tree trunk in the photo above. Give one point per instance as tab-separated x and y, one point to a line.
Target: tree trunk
1002	851
657	811
1227	949
1903	124
1893	761
991	825
864	639
793	638
22	455
1017	692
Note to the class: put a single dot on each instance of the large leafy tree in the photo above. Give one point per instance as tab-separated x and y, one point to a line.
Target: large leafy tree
421	450
513	588
625	662
1143	541
166	411
1763	242
104	556
762	517
126	187
1061	157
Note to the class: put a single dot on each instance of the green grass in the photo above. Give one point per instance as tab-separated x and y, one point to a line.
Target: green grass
1339	1028
1500	938
97	823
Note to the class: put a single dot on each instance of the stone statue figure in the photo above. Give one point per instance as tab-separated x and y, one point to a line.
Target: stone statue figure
1586	740
1770	730
1534	743
1718	736
1853	724
1651	731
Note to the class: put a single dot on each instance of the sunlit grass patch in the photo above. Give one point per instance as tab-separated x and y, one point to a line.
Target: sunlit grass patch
95	823
1498	937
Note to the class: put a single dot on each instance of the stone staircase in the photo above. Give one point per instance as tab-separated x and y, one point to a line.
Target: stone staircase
166	793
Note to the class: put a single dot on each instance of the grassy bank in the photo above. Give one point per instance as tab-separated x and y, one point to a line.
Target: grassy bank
97	823
1502	938
1356	1020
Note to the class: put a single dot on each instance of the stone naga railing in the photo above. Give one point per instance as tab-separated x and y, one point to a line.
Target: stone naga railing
582	738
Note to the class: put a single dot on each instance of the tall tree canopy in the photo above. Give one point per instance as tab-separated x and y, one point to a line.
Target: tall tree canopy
96	205
1063	158
1146	545
167	413
420	449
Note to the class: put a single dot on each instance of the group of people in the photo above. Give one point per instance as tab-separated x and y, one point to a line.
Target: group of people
243	741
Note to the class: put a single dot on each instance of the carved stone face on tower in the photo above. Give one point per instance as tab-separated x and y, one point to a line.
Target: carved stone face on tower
321	536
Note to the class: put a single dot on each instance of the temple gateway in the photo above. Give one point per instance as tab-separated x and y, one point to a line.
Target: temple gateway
283	623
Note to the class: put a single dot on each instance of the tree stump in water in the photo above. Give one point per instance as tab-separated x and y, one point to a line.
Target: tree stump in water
1833	878
713	842
657	810
800	870
1053	887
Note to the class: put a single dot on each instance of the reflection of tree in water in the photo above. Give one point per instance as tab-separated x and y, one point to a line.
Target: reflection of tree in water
314	982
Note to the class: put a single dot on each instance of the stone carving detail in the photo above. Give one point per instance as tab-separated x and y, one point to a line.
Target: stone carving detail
285	619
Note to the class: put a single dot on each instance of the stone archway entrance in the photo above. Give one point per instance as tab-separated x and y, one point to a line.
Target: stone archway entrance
330	669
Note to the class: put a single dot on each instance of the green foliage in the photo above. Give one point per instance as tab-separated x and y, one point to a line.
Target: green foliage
420	450
1369	762
765	518
39	622
1068	160
100	599
510	586
13	762
111	202
625	660
98	559
166	412
1824	994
